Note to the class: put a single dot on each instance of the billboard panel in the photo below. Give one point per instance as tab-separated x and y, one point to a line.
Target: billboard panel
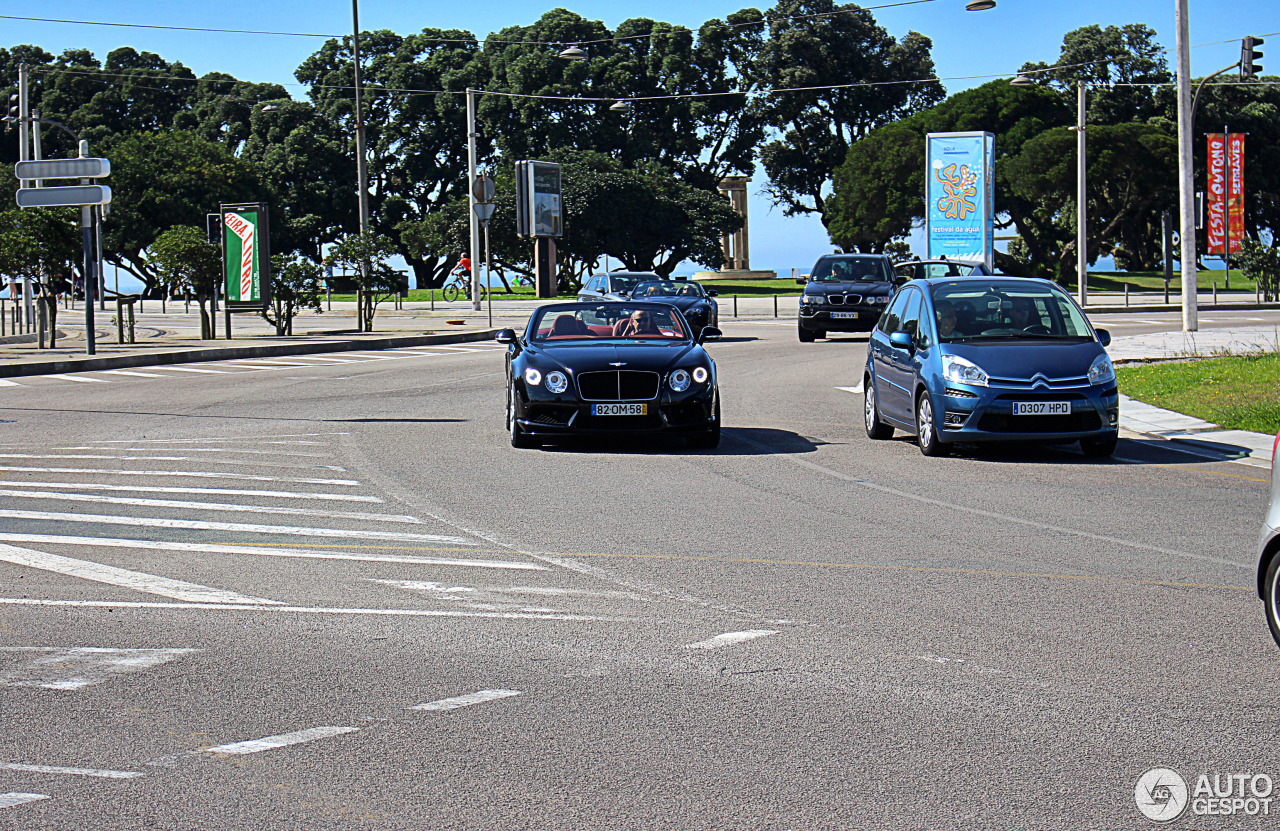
246	256
539	211
960	220
1216	195
1235	191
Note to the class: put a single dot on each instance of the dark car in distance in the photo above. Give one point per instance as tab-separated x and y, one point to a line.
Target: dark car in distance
616	283
845	293
610	369
690	298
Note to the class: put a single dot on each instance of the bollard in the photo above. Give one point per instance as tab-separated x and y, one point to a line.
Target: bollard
1126	295
735	305
1215	292
433	300
775	305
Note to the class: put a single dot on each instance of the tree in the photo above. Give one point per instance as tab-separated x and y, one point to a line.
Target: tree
1261	263
43	245
295	285
366	256
163	179
182	257
814	43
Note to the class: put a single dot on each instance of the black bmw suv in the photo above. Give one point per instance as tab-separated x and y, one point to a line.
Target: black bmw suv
846	293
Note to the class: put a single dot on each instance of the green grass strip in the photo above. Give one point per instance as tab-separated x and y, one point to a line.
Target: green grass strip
1236	393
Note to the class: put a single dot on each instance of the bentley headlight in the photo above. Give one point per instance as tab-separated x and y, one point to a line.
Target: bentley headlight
960	371
679	380
700	374
1101	371
556	382
532	377
813	298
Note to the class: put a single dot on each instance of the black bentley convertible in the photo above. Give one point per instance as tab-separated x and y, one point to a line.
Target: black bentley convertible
610	369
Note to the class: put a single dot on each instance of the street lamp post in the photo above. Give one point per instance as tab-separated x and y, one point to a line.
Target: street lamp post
1082	206
1186	172
474	254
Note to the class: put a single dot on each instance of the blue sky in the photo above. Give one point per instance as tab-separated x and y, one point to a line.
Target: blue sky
968	47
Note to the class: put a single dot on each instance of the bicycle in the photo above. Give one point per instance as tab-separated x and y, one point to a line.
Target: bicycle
460	284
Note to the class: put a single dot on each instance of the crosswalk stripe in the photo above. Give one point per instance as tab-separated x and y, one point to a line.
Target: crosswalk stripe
263	551
193	474
82	379
312	610
193	369
100	457
209	506
244	450
82	486
102	774
4	382
458	701
136	580
8	800
200	525
283	740
131	372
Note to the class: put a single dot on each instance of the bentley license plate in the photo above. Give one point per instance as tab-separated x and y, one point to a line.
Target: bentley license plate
1042	408
619	409
844	315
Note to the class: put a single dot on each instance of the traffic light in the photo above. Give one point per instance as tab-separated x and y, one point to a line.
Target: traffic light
12	117
1249	56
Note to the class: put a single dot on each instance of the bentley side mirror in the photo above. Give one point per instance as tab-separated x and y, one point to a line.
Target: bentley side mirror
712	293
1104	337
508	337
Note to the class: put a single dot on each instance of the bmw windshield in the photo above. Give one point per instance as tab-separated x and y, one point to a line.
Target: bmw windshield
852	269
1006	310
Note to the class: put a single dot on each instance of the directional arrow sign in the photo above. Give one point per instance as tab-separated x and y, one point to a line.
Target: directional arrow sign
484	210
77	196
63	169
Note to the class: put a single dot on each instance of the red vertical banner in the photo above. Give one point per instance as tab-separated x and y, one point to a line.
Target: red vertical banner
1215	195
1235	190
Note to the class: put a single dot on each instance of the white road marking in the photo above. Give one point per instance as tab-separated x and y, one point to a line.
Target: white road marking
158	522
243	450
62	668
211	506
101	774
8	800
730	638
136	580
192	474
857	389
264	362
4	382
283	740
465	700
319	610
82	486
83	380
131	372
263	551
101	457
336	360
247	439
193	369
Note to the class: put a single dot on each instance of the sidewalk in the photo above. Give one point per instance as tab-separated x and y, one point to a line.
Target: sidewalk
173	337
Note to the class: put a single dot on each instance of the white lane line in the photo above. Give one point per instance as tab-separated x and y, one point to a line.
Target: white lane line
730	638
202	460
83	380
101	774
263	551
248	439
158	522
316	610
193	369
136	580
82	486
857	389
73	668
131	372
8	800
4	382
191	474
210	506
457	702
283	740
243	450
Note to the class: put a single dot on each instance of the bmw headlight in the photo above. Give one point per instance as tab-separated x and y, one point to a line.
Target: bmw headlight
813	298
532	377
960	371
881	300
700	374
1101	371
679	380
557	382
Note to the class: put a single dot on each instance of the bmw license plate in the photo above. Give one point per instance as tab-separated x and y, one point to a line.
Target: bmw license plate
1042	408
844	315
619	409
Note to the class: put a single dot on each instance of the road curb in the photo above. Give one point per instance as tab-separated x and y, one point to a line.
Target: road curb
184	356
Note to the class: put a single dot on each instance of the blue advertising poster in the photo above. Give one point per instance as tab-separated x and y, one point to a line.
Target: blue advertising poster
958	187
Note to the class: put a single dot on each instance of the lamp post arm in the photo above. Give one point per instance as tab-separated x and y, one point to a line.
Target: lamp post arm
1195	101
60	126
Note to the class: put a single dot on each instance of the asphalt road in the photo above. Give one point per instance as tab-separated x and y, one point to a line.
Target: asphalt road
325	593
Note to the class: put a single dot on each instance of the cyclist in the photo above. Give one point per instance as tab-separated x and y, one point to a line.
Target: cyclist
463	268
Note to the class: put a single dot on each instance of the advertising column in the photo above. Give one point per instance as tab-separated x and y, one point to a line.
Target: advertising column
960	223
246	257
